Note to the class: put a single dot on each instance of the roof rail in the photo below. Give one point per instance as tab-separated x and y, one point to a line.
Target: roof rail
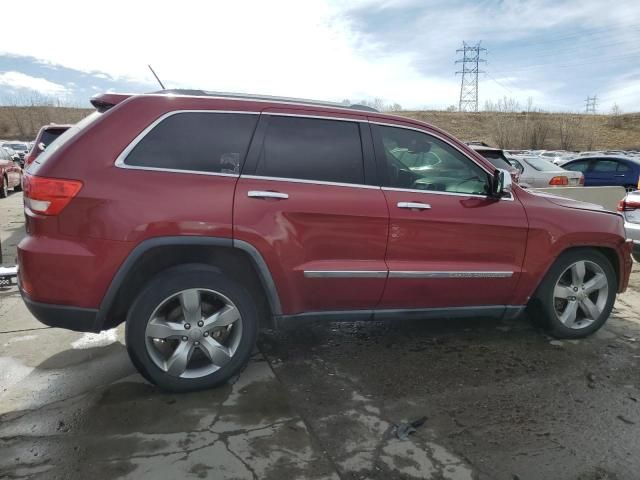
270	98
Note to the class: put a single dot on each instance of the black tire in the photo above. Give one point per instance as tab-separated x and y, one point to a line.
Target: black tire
542	306
4	188
168	283
18	187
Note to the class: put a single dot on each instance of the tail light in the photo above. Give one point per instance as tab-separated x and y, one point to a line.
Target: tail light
559	181
27	160
48	196
626	205
581	181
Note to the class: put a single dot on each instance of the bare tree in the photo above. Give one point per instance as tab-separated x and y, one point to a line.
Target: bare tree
616	116
569	130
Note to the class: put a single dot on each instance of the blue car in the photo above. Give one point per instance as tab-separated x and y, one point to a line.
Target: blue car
600	171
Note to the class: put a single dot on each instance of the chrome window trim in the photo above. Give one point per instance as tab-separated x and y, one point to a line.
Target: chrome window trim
318	117
120	160
345	273
436	192
313	182
449	274
439	137
405	274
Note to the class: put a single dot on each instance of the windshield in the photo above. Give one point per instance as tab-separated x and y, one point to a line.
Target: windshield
542	165
50	134
16	146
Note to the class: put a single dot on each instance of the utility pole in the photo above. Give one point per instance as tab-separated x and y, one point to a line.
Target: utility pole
590	104
470	70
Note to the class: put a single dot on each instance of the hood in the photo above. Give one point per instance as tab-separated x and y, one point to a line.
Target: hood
570	203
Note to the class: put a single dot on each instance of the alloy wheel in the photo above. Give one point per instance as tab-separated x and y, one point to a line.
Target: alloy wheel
193	333
580	294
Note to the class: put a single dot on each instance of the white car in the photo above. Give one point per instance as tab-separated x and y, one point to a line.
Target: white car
557	156
536	172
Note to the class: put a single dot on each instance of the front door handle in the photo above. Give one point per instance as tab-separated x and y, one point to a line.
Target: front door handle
267	194
414	205
618	175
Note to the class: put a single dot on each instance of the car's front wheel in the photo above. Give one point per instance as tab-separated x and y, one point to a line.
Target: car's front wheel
576	297
191	328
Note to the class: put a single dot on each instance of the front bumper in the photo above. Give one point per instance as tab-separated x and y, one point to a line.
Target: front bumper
633	233
62	316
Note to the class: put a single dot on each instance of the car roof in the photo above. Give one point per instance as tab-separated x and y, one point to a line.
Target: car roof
604	157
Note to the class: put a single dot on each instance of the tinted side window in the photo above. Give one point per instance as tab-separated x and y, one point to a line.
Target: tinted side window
205	142
605	166
623	167
312	149
419	161
577	166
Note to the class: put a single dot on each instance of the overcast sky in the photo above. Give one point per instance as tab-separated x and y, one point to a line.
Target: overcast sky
557	52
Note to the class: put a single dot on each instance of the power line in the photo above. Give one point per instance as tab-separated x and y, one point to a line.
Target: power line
470	70
590	104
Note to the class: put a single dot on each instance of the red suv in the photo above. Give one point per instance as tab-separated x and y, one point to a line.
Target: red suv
45	137
196	218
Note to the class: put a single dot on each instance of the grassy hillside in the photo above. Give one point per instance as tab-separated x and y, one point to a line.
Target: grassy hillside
508	130
539	130
23	123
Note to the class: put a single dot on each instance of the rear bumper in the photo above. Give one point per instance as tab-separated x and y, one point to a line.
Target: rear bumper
62	316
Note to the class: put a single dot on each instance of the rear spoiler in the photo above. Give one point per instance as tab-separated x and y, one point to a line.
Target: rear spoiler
104	101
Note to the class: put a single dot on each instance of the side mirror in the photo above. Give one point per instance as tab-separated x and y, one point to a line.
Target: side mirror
41	146
502	183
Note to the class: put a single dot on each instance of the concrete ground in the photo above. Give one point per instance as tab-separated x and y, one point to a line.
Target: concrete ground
491	400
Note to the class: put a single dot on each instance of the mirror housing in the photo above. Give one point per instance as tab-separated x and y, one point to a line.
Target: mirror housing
501	184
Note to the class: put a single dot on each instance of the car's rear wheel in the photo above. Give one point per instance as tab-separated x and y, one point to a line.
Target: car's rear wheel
4	187
576	297
191	328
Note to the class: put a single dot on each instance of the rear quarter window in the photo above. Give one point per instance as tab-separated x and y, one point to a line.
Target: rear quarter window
196	141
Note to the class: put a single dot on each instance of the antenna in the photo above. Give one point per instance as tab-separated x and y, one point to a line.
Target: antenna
158	79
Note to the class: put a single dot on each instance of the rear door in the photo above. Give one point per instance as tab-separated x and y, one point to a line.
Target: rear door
449	244
306	202
604	172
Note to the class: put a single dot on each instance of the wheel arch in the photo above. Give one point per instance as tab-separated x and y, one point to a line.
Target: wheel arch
609	252
238	259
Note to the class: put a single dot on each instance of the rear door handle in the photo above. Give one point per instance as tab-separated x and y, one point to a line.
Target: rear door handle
618	175
414	205
267	194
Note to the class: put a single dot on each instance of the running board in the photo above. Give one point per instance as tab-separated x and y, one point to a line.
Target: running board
506	312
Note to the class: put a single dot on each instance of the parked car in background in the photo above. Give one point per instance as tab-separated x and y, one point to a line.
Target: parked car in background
607	170
20	149
497	158
10	173
535	172
212	214
557	157
629	206
46	135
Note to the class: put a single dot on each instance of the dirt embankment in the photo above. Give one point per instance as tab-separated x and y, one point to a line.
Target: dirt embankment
509	130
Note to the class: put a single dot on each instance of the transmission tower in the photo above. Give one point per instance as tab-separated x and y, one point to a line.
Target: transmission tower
470	70
590	104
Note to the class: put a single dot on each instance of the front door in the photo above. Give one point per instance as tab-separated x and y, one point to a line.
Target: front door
449	244
303	202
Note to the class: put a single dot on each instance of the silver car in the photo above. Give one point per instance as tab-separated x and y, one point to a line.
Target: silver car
630	208
536	172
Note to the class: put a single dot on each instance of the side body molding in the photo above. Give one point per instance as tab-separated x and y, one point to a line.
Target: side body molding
146	245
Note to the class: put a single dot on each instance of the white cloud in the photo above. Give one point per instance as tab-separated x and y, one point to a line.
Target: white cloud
17	80
311	48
